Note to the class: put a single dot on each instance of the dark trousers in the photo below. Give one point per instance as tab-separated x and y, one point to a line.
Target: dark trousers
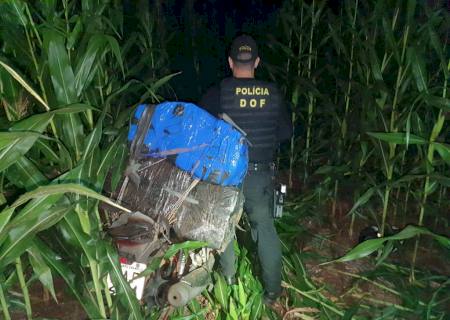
258	192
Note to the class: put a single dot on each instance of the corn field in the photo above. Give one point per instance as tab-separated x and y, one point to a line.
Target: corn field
367	85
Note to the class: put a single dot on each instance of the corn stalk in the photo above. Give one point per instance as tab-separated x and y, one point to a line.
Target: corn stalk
310	96
401	73
437	128
79	66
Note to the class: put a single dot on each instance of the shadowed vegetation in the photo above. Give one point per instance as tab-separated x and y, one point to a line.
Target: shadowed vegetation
367	84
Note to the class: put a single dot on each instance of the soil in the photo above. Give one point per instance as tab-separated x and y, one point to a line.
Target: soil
341	281
44	307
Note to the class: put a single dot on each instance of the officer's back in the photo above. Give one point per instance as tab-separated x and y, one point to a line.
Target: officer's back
254	105
256	108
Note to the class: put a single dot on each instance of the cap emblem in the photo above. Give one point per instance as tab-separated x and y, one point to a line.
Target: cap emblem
245	48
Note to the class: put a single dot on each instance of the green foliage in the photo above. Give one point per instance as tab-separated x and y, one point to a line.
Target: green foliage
368	88
369	246
242	300
63	80
363	82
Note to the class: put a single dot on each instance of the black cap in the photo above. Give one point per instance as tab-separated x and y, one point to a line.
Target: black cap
244	49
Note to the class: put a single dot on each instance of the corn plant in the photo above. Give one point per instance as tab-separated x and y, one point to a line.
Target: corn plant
378	117
63	81
378	62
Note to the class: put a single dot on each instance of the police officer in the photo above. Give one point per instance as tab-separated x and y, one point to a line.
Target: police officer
257	108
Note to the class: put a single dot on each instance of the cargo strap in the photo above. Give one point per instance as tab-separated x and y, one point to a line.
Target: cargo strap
131	172
230	121
142	127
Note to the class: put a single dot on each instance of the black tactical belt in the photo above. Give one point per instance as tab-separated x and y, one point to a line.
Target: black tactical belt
254	166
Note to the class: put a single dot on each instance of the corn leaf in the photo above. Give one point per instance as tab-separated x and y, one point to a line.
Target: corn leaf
20	237
369	246
92	140
25	174
48	8
61	72
221	291
73	233
186	245
438	102
443	150
86	62
12	146
125	293
419	69
410	9
389	39
256	307
74	35
73	108
63	81
18	8
115	48
5	216
23	134
127	87
151	91
337	40
24	84
241	294
72	133
438	46
398	137
86	174
361	250
232	312
119	165
194	306
7	138
42	270
108	158
11	95
61	189
431	187
44	203
46	149
57	264
375	64
362	200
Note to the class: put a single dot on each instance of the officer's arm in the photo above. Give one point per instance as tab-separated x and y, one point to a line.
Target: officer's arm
211	101
284	124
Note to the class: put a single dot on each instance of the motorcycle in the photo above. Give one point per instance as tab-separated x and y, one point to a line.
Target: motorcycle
169	205
140	242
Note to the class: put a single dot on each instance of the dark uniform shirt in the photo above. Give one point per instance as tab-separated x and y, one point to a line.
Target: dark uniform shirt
257	108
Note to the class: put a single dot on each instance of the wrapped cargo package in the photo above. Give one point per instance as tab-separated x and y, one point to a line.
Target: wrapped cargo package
196	210
209	148
185	168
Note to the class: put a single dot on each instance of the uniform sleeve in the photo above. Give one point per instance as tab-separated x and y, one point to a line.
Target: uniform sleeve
210	101
284	124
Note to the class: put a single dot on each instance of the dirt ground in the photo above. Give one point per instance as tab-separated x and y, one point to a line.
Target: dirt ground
44	307
343	283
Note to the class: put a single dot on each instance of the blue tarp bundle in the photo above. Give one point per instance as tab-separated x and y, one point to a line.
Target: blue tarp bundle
209	148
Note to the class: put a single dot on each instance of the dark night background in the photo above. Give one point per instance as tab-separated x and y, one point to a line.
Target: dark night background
367	87
196	35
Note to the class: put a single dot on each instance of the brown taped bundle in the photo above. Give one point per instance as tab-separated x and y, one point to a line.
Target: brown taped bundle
195	209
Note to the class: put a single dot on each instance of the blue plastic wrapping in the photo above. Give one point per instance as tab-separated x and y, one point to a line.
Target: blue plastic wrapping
209	148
